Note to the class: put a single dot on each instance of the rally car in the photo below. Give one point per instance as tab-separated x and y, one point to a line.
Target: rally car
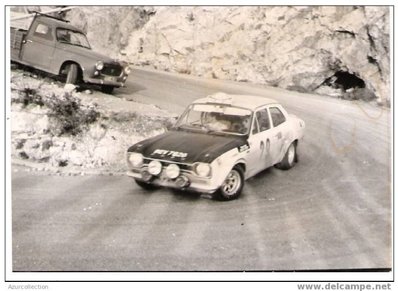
217	143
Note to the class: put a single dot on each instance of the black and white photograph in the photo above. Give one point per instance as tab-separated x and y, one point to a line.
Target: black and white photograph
199	142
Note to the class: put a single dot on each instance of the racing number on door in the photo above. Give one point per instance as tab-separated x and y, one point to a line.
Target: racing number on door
260	156
263	127
279	131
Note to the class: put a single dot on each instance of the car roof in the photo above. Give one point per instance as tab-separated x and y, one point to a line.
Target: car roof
245	101
59	23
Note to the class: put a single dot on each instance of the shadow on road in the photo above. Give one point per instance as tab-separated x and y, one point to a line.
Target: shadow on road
178	195
261	177
131	89
185	195
118	92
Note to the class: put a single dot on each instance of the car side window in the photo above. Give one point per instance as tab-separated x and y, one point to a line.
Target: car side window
62	35
277	116
263	119
43	31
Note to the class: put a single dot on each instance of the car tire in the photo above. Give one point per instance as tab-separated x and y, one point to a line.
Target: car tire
290	158
107	89
71	74
146	186
233	185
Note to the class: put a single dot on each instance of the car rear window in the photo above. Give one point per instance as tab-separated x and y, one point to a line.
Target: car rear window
43	31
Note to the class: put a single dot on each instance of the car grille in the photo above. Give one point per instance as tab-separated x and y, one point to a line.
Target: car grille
184	167
112	70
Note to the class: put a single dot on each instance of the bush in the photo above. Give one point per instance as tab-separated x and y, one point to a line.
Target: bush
70	116
29	96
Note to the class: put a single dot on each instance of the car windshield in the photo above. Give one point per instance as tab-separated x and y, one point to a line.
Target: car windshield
72	37
216	118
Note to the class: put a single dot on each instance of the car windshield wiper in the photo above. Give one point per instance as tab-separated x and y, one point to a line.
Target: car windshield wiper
201	128
217	132
180	127
184	127
193	127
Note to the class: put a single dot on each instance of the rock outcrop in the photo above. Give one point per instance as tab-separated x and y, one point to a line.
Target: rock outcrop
332	50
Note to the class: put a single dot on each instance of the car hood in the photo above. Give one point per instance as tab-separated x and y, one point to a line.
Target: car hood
187	147
88	53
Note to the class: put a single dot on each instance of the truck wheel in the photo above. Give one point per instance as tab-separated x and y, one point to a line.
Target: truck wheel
289	159
71	76
233	185
107	89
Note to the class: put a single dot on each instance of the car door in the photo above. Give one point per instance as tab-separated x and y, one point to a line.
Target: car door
259	157
279	133
39	46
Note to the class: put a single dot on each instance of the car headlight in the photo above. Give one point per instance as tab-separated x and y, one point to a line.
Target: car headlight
99	65
172	171
127	70
203	169
136	159
154	168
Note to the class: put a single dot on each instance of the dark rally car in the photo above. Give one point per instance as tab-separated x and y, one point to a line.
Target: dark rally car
216	144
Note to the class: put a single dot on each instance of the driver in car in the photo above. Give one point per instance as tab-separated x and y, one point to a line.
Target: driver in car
216	122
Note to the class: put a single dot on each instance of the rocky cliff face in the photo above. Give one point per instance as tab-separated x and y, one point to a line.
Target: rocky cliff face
109	27
341	51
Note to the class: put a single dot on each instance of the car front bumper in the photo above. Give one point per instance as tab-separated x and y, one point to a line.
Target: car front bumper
105	80
197	184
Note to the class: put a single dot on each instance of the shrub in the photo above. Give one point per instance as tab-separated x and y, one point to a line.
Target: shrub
69	115
29	96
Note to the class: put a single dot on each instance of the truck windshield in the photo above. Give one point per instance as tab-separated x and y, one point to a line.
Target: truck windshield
216	118
72	37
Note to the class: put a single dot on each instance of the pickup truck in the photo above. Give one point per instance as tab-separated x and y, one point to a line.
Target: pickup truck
56	47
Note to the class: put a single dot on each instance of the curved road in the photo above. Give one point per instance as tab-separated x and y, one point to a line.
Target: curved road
331	211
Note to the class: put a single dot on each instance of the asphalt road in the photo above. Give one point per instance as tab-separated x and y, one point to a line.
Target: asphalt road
331	211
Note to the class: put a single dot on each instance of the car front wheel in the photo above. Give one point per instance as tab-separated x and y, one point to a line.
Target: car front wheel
232	185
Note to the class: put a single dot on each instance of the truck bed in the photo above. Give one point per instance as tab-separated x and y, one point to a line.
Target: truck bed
16	38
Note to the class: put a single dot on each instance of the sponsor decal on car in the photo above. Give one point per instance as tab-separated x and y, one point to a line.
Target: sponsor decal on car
243	148
172	154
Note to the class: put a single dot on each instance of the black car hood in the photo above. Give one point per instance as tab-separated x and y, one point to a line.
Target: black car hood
187	147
